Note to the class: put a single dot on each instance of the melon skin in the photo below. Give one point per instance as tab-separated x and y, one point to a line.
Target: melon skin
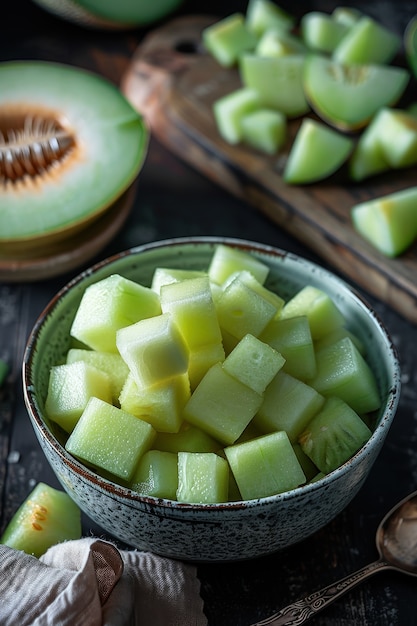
110	145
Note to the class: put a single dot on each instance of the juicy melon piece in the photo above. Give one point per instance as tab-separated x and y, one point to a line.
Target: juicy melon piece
343	372
333	435
221	405
108	305
288	404
276	43
160	405
227	260
154	349
265	466
367	41
203	477
110	439
156	475
321	311
321	32
168	275
189	438
264	129
229	110
47	517
109	362
70	387
228	38
254	363
262	15
317	152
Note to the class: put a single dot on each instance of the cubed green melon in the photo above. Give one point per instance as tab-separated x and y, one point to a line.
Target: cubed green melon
262	15
160	405
276	43
110	304
265	130
321	32
229	110
227	38
167	275
154	350
222	405
109	362
288	404
254	363
70	387
203	477
367	41
292	338
265	466
343	372
227	260
310	470
110	439
189	438
156	475
322	312
202	359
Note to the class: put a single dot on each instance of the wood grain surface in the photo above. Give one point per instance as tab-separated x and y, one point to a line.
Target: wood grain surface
174	83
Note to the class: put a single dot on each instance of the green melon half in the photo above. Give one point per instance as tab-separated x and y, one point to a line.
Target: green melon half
102	146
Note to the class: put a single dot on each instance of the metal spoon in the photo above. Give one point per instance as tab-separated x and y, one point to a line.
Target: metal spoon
396	541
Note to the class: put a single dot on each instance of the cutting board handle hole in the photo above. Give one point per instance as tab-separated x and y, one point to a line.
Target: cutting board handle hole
187	47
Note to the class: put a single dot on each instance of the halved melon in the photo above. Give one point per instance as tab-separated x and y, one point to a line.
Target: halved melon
410	44
347	96
70	146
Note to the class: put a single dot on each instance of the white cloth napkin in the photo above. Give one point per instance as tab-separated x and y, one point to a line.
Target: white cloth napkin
89	582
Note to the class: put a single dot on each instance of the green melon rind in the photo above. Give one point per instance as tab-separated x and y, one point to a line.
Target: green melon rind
114	145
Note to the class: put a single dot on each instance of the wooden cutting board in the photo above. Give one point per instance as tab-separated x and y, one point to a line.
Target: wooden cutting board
173	82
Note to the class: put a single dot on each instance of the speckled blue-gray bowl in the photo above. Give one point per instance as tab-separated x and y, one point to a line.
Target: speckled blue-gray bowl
211	532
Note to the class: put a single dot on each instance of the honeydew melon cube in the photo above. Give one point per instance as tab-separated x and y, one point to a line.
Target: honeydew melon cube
227	260
310	470
278	81
397	136
321	32
389	223
247	277
367	41
70	387
110	439
228	111
156	475
322	312
254	363
334	434
275	43
154	350
222	405
202	359
265	130
108	305
265	466
288	404
343	372
368	156
203	477
189	438
243	309
340	333
167	275
109	362
227	38
262	15
346	15
292	338
160	405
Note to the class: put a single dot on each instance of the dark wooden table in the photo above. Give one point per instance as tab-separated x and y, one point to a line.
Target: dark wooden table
175	200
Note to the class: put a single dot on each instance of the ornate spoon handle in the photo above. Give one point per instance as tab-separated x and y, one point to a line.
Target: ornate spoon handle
300	611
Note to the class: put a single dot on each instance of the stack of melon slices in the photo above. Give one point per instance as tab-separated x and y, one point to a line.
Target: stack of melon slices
71	149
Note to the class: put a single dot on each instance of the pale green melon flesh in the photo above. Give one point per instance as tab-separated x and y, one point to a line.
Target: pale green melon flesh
202	477
111	143
156	475
130	11
367	41
228	38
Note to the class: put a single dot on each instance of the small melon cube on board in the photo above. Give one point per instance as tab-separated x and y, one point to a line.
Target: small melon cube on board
168	275
367	42
160	405
277	43
203	477
154	350
368	156
108	305
227	38
321	32
288	404
110	439
229	110
222	405
156	475
334	434
227	260
262	15
265	130
190	303
265	466
292	338
254	363
342	371
241	309
322	313
109	362
70	387
189	438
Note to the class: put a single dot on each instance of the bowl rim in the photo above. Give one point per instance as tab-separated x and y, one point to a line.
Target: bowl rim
114	489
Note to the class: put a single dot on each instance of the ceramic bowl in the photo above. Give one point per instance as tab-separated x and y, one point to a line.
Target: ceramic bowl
208	532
